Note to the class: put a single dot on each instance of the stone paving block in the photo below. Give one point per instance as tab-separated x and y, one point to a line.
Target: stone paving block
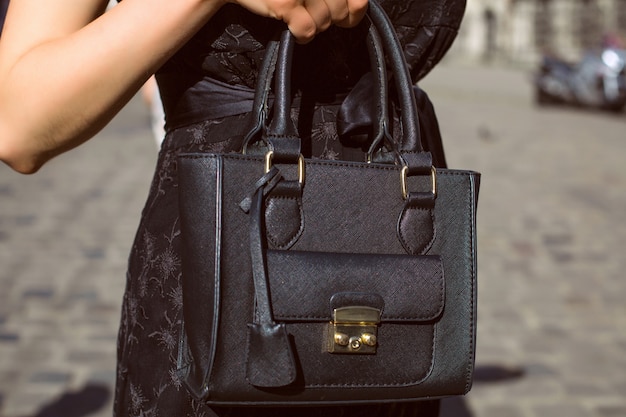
50	377
561	410
9	337
501	411
611	411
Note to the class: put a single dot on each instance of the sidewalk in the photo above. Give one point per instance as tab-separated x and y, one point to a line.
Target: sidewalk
552	209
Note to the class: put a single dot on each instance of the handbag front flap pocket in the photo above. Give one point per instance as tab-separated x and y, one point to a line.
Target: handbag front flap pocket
358	318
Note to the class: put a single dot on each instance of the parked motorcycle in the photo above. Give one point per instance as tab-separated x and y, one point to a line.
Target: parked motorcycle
597	81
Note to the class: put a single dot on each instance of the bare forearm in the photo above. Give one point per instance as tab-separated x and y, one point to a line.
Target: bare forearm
64	72
61	92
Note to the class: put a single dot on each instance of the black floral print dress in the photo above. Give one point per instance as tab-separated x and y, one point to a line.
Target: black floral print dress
207	89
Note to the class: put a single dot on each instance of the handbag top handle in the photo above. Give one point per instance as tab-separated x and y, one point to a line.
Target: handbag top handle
282	135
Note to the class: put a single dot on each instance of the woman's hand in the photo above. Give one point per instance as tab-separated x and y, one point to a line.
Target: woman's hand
306	18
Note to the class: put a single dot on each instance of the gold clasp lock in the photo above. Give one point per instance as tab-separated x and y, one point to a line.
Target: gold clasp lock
354	330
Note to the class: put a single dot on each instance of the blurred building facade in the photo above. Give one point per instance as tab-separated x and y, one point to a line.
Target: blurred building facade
522	30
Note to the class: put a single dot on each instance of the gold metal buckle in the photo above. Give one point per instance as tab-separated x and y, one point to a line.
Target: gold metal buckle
405	190
354	330
301	171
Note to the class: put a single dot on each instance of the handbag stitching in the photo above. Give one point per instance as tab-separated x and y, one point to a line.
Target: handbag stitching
385	319
406	244
320	162
218	270
471	232
275	243
292	375
398	384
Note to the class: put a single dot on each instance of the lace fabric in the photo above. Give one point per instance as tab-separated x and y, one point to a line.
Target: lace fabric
230	48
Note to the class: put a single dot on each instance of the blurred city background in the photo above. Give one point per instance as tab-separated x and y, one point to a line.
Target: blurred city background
551	215
521	31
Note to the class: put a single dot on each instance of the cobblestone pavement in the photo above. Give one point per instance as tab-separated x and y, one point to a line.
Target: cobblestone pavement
552	310
552	239
65	235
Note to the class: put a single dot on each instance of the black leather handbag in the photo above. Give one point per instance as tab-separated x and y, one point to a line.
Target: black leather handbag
312	282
